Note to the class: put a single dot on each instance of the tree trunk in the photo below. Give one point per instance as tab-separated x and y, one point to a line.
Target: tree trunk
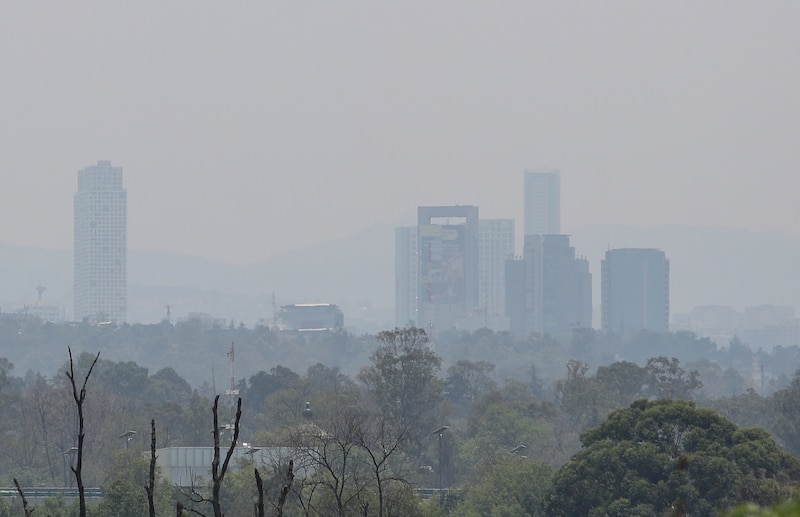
79	399
150	487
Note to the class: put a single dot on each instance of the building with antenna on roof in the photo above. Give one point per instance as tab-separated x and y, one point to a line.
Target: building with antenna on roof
39	309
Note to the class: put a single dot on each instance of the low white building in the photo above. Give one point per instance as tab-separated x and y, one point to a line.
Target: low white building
191	466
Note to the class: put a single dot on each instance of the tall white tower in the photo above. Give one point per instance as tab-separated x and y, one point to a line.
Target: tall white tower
542	202
101	245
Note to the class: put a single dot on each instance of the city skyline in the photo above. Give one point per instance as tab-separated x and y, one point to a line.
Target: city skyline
295	121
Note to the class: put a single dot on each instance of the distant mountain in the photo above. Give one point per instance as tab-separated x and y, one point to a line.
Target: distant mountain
720	266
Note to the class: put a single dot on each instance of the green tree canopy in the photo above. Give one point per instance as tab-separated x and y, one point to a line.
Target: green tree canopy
403	379
516	487
658	455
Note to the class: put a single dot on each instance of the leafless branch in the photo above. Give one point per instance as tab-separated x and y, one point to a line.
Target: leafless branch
79	399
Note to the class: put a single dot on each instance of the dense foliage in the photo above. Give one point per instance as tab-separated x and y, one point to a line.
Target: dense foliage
527	423
665	454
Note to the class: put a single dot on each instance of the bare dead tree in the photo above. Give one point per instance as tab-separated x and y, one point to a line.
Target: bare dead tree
217	472
284	490
28	511
150	487
79	399
304	490
380	439
260	488
333	453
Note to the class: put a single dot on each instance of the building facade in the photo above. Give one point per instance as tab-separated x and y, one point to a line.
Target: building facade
566	286
635	290
101	245
496	246
542	202
448	266
310	317
548	291
406	275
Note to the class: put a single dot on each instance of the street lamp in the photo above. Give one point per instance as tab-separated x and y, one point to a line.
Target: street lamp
518	449
251	451
440	432
71	453
127	436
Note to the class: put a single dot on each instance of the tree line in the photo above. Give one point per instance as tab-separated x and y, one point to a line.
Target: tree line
366	444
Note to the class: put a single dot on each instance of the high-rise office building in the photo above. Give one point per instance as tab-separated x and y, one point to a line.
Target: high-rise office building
532	283
550	289
542	202
635	290
406	275
496	246
566	287
448	265
101	245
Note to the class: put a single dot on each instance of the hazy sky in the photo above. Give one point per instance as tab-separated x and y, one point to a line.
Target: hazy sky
248	128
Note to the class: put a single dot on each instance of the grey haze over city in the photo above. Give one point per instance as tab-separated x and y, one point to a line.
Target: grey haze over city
272	148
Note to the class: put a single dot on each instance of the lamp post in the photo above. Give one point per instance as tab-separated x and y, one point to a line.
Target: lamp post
440	432
71	453
127	436
251	451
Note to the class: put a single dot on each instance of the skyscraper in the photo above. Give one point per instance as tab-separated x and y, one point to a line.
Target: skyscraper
566	287
550	289
542	202
496	245
406	276
635	290
101	244
448	265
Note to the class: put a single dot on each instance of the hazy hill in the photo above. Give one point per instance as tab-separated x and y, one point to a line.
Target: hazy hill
708	266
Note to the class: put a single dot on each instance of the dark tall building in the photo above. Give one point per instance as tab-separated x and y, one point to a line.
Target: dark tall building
448	265
550	289
635	290
566	287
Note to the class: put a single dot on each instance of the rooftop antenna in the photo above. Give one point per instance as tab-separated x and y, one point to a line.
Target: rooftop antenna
233	392
40	289
169	313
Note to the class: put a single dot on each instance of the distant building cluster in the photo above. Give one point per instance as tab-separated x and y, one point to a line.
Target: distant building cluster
455	270
762	326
